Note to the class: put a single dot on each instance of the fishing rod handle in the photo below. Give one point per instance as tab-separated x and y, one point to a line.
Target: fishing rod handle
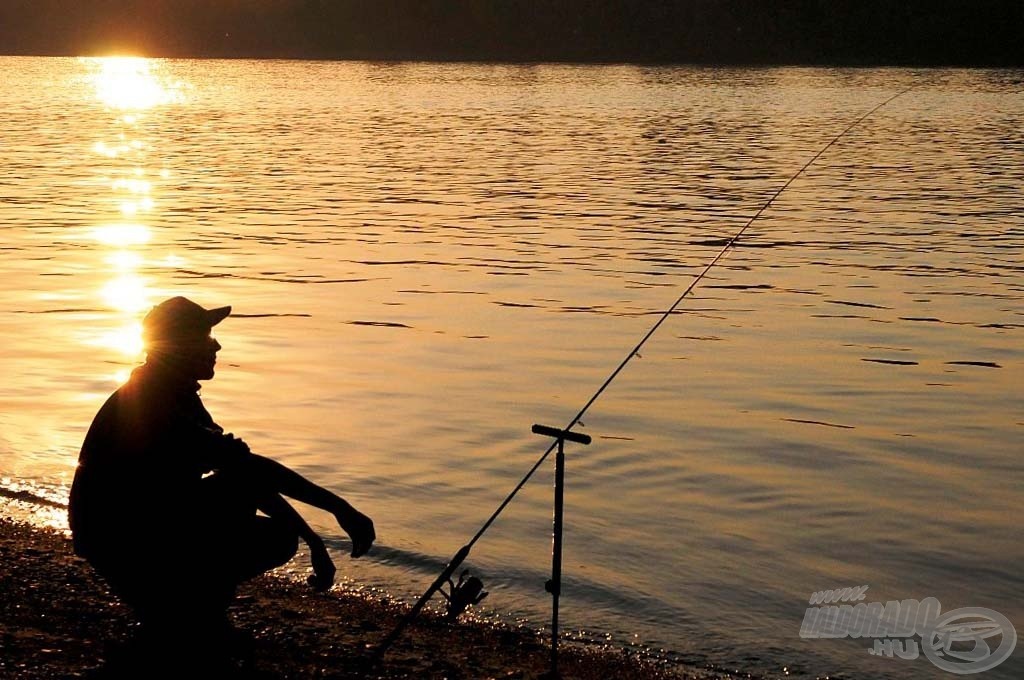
454	564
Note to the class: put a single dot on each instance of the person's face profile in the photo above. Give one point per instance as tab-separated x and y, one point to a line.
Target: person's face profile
198	354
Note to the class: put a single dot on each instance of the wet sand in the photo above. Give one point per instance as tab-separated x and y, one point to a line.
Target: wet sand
58	620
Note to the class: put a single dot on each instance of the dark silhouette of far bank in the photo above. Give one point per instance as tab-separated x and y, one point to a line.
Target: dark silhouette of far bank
819	32
175	513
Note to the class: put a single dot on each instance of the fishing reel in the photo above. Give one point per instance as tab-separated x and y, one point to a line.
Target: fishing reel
466	592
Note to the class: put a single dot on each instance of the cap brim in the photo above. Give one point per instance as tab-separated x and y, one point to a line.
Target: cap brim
215	316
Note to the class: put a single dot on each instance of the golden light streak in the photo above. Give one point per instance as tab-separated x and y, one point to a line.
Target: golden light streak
129	83
124	260
134	186
127	340
126	293
122	235
102	149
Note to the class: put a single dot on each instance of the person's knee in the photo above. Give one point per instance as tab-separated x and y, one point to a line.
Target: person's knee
272	544
280	544
286	544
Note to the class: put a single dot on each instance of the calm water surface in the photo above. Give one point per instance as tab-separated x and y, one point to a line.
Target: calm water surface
424	260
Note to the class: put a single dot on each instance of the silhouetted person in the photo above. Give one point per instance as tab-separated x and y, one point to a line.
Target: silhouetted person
164	503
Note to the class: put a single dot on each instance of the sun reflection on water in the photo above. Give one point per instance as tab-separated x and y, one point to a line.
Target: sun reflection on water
124	260
133	186
126	340
131	87
122	235
129	83
126	293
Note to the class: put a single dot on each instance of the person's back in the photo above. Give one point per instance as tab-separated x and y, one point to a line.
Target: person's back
140	467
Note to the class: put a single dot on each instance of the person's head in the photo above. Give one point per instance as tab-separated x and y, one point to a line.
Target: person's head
177	333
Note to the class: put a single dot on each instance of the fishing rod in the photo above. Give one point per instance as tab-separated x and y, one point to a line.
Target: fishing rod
464	593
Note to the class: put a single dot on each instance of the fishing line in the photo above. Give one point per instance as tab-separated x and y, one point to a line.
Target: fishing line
463	552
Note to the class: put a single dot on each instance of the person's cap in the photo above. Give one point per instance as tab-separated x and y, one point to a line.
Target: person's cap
178	318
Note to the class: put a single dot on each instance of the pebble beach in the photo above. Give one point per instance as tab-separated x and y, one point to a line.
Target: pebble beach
59	620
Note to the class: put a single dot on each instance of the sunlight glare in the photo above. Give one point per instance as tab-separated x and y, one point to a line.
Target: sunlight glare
128	83
173	261
126	293
127	340
104	150
124	259
134	186
122	235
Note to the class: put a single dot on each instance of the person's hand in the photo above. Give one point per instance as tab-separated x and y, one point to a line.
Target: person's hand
236	445
359	528
323	568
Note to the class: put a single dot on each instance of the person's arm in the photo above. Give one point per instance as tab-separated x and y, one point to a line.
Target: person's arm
269	480
272	475
223	451
323	567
